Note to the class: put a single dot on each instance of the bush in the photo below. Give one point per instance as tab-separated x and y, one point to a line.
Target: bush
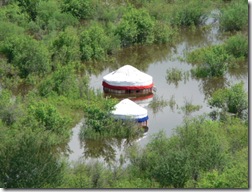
8	29
233	99
164	33
187	15
50	18
100	124
27	161
50	119
81	9
136	26
13	13
29	7
62	82
213	62
198	145
235	16
65	47
94	43
29	55
237	46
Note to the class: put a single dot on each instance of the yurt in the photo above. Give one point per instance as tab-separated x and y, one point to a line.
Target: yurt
127	80
127	109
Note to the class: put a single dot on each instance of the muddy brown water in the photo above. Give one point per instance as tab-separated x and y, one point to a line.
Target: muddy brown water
156	60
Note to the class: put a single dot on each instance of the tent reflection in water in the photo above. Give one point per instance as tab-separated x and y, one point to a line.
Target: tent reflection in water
127	80
129	110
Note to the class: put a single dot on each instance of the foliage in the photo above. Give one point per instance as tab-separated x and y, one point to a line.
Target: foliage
99	122
172	162
213	62
81	9
42	43
174	75
191	14
136	26
64	82
164	33
13	14
233	99
8	29
48	116
237	46
65	47
27	162
189	107
157	104
29	7
9	109
29	55
94	43
235	16
49	16
235	175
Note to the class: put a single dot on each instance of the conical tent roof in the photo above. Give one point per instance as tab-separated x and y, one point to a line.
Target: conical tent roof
128	76
127	109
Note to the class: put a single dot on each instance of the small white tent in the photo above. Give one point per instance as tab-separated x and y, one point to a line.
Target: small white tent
127	109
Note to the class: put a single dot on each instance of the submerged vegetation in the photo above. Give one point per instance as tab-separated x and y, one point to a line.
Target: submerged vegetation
48	49
215	60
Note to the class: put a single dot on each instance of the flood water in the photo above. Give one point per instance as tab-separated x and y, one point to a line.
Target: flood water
155	61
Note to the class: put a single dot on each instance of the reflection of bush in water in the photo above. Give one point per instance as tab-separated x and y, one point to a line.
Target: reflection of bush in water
175	75
104	144
188	108
158	103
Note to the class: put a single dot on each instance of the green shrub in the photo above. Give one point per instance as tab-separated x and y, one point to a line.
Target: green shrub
188	14
8	29
164	33
65	47
213	62
29	7
136	26
29	55
100	124
198	145
237	46
13	13
81	9
233	99
64	82
50	18
94	43
49	118
27	161
235	16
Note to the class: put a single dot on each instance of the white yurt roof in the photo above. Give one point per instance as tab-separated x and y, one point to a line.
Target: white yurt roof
128	76
127	109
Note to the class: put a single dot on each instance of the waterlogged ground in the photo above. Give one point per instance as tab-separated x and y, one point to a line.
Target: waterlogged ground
155	61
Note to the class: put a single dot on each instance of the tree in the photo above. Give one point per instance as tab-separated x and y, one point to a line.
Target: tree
50	17
94	43
27	161
198	145
136	26
29	55
81	9
234	17
234	175
63	82
65	47
233	99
